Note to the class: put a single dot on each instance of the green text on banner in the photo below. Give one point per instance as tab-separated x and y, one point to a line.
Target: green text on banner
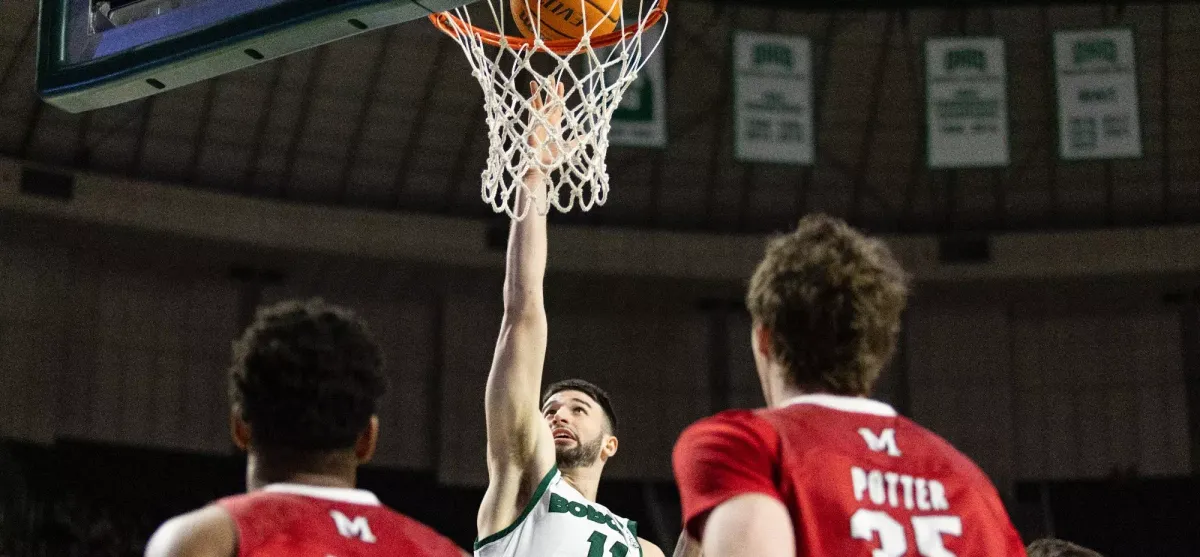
1096	81
774	98
966	102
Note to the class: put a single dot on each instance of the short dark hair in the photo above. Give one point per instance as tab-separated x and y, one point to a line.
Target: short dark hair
588	389
832	300
1050	547
307	376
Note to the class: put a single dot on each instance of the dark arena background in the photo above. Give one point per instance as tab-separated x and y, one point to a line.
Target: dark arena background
1053	334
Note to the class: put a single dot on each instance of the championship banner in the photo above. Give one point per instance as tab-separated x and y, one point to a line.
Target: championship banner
966	102
641	119
1096	81
773	108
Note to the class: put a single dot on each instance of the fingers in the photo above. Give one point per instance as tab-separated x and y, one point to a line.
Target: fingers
536	93
552	109
547	109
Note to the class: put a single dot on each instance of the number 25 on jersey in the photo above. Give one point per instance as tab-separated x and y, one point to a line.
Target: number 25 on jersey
880	527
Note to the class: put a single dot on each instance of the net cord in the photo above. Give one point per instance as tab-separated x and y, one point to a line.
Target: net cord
577	173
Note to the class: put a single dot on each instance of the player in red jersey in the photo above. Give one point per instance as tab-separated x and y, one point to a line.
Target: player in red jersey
824	470
305	381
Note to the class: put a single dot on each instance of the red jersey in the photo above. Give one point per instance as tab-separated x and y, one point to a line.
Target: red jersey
288	520
857	479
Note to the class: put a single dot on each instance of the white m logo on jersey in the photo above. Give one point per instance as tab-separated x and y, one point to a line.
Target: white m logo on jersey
885	441
357	528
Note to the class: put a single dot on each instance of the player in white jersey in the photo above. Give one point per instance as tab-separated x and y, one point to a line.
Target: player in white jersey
544	465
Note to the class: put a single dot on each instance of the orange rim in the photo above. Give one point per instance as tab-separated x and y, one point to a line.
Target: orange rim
450	24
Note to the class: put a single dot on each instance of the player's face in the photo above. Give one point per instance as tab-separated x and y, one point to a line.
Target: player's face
578	426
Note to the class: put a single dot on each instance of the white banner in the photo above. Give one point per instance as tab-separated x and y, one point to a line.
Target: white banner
641	120
966	102
774	98
1096	80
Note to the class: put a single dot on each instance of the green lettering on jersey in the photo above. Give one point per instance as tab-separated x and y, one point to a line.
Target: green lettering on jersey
560	504
577	509
596	516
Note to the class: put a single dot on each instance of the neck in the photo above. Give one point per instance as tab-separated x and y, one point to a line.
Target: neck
325	470
585	480
777	390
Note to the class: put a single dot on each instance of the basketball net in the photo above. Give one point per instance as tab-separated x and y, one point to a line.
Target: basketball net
595	72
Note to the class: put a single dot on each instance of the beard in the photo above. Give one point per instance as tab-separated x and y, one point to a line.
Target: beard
583	454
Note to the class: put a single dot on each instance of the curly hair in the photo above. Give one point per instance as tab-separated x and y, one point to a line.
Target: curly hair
306	376
831	299
588	389
1049	547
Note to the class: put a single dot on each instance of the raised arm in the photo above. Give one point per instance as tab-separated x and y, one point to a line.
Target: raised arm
520	448
687	547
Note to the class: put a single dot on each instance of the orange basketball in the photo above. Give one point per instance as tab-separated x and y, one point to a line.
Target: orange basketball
564	19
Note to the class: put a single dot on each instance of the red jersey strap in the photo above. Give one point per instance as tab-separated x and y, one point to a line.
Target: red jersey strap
719	458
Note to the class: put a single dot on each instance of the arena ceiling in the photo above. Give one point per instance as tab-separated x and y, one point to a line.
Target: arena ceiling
392	120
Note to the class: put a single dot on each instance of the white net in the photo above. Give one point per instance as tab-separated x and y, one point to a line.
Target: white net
594	80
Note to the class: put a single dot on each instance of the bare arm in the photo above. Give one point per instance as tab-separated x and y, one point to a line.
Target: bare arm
208	532
751	525
687	547
649	549
520	448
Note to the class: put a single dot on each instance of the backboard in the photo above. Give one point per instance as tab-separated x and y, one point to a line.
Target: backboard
98	53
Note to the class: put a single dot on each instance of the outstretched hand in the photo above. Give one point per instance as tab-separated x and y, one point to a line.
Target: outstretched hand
545	129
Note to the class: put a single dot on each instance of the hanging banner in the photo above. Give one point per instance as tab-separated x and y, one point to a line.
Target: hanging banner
966	102
773	108
1096	80
641	119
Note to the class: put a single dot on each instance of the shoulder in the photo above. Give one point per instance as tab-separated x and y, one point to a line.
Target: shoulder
939	448
733	430
649	549
208	532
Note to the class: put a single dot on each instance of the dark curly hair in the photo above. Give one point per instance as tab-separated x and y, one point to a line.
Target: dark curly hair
1049	547
588	389
832	300
307	376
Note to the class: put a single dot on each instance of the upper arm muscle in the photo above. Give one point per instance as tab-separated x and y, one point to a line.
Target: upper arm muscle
686	546
514	425
649	549
751	525
520	449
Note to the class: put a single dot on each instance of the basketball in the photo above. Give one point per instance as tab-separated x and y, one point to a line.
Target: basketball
564	19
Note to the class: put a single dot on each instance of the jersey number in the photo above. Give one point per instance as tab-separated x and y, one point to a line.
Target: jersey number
597	550
927	530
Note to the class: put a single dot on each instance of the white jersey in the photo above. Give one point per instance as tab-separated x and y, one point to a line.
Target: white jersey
560	522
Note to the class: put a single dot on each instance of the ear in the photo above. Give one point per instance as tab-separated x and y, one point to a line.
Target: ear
760	339
239	430
610	447
367	442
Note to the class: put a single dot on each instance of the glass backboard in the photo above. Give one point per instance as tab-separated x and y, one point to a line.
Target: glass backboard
97	53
